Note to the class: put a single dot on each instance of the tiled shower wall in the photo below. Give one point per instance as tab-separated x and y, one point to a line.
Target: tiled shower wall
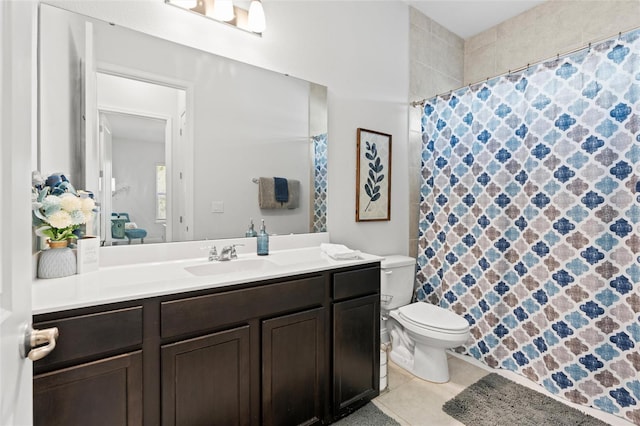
436	65
554	27
441	61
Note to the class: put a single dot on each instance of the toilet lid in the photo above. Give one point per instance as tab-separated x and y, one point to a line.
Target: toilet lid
430	316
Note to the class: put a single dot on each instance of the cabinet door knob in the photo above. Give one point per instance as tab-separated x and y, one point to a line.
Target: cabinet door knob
34	338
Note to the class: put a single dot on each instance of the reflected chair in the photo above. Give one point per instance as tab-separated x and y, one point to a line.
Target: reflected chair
119	229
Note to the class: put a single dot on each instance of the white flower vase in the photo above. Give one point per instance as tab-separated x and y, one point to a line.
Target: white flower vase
56	262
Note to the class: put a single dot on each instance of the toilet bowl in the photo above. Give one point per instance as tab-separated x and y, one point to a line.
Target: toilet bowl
419	332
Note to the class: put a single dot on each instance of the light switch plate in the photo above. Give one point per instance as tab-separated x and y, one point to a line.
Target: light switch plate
217	207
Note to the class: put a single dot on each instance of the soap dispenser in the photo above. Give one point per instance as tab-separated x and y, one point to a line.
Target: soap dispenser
263	241
251	232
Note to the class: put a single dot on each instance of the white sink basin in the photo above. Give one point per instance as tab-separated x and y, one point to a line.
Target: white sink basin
236	265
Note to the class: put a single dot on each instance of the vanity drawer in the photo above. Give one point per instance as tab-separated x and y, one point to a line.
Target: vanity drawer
86	336
201	313
359	282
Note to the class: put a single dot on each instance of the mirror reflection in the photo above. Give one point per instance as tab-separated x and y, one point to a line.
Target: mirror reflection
171	139
134	148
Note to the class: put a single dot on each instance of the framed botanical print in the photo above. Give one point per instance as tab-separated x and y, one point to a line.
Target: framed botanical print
373	176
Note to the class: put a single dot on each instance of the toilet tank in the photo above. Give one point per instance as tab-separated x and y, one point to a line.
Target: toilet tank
397	276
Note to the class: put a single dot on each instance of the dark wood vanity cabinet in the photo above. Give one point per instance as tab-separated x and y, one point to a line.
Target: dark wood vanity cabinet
103	392
300	350
356	339
293	355
94	376
205	380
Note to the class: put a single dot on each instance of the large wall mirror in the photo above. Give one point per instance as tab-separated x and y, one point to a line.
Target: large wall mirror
175	137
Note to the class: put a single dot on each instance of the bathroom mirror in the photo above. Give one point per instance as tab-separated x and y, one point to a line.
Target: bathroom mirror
174	136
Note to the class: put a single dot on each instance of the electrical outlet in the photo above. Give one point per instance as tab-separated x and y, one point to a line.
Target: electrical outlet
217	207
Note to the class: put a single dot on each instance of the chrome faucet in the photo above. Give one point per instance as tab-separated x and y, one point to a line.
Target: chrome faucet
228	252
213	253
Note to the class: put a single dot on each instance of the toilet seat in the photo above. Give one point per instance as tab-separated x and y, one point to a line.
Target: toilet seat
431	317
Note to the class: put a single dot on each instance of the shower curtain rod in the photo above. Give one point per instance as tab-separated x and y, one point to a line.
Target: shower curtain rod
558	56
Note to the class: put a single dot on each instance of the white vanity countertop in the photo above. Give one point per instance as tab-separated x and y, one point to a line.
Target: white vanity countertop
144	280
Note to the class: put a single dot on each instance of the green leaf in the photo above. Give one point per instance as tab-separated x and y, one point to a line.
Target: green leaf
376	197
380	178
367	190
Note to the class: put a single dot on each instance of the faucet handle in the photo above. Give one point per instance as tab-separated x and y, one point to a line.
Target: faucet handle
213	252
234	254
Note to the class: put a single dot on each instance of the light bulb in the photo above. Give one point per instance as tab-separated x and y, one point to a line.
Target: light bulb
257	22
223	10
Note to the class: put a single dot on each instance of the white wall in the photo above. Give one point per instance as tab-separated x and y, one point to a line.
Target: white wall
359	49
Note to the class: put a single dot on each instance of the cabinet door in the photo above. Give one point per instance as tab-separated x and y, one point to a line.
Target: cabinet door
356	352
105	392
293	353
205	381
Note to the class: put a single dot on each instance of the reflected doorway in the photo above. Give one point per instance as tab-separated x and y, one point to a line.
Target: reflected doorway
134	170
141	161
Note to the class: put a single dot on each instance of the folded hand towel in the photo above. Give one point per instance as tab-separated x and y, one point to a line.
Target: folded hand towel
339	251
266	194
130	225
281	189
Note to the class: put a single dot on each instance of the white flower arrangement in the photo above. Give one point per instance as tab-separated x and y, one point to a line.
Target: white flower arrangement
58	210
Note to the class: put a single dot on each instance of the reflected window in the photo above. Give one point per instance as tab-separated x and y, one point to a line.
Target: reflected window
161	192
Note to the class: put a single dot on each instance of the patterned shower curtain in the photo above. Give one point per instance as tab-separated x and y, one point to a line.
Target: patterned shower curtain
320	154
530	226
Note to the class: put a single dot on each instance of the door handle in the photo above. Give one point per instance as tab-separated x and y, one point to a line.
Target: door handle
34	339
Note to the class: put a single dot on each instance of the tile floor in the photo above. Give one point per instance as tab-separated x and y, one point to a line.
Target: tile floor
415	402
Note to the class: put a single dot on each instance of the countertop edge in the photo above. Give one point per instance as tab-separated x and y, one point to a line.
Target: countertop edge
95	288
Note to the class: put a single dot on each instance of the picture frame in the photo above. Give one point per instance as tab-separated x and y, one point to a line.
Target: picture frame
373	176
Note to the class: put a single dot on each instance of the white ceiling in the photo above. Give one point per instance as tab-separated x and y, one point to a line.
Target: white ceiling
135	127
467	18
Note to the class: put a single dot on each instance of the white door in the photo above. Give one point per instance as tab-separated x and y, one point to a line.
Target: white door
183	224
106	175
17	136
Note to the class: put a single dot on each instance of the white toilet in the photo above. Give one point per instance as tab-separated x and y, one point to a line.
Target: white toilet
420	332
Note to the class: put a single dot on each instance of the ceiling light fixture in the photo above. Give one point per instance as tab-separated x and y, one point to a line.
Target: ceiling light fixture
223	10
187	4
257	22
